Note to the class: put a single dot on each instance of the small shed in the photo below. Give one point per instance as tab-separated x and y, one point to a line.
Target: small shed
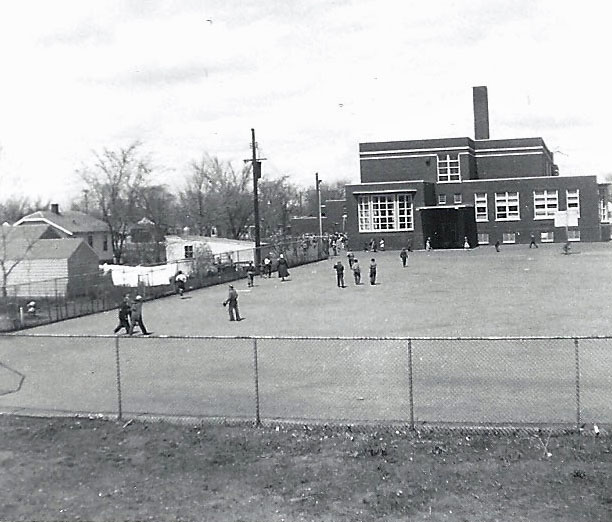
66	267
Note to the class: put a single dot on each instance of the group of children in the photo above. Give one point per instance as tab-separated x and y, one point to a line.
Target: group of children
130	315
356	269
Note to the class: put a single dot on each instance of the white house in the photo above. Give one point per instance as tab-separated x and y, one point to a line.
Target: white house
74	224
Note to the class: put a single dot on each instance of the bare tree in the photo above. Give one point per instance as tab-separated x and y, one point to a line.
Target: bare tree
279	200
333	190
114	183
217	195
15	245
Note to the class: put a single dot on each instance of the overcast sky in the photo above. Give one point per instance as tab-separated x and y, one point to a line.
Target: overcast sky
313	77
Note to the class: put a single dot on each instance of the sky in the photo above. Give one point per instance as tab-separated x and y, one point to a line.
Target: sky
314	78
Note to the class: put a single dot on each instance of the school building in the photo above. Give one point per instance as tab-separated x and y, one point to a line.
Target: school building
487	190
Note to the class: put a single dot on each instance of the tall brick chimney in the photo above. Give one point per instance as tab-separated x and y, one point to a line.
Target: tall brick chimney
481	113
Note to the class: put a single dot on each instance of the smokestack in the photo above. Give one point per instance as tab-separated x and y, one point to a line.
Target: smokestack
481	113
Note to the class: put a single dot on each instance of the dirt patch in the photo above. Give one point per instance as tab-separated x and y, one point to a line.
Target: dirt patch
80	469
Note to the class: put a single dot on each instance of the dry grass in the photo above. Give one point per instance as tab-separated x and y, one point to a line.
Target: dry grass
68	469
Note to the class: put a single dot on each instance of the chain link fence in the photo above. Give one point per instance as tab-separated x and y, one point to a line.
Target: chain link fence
68	297
563	382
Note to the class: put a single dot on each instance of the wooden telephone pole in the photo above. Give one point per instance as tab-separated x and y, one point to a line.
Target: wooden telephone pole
256	162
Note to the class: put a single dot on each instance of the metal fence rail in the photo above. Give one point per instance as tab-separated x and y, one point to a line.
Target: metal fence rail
418	381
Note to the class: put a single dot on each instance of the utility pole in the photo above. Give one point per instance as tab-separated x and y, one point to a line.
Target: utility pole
256	162
318	182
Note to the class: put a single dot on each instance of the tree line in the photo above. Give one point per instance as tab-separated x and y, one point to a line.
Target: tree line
117	188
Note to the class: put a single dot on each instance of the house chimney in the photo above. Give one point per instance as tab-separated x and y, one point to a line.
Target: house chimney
55	208
481	113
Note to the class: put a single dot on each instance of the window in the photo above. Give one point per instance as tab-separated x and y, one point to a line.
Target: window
483	239
457	199
480	204
448	168
404	211
385	212
188	251
573	235
603	211
547	237
509	237
442	199
507	206
545	204
90	240
573	201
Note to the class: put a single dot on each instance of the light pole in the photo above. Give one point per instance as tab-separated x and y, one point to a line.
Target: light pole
318	183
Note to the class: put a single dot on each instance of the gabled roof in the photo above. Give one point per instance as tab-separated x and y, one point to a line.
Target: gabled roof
44	249
69	221
30	233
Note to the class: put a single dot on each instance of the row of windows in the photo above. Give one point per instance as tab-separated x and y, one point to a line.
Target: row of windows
545	237
507	207
385	212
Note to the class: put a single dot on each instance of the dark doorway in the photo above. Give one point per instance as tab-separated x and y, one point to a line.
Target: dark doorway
447	227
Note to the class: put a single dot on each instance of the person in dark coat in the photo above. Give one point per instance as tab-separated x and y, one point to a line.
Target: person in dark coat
232	301
373	271
339	268
533	243
404	257
125	311
137	316
351	257
283	267
251	273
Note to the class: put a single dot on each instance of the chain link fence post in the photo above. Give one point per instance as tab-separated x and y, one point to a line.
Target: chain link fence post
577	355
120	411
256	375
410	386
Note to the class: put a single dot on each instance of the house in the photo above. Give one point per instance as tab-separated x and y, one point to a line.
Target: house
75	224
487	190
66	267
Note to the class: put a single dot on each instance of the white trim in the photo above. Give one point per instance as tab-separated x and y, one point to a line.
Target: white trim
387	191
51	223
534	147
400	151
456	207
515	179
512	154
386	182
485	155
400	156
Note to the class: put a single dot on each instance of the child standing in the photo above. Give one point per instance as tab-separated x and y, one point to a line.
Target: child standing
373	271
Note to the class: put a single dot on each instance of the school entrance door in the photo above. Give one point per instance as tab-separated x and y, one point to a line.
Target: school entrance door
447	227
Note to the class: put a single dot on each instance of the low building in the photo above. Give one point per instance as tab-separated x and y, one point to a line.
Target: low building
222	250
75	224
487	190
66	267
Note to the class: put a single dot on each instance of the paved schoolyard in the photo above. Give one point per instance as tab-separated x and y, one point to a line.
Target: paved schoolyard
442	293
515	292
